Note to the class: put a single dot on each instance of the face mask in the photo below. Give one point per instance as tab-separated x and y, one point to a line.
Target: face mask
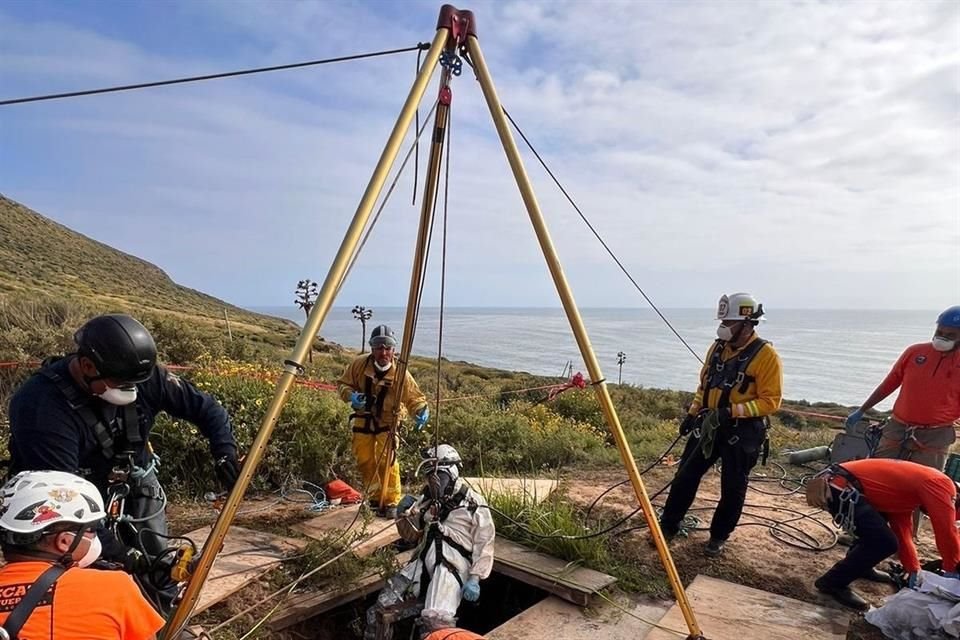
942	344
119	397
725	333
437	484
382	368
93	552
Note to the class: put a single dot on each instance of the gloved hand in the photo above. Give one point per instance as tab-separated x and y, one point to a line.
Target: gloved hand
227	469
912	580
688	424
358	400
471	589
420	420
135	562
852	420
406	503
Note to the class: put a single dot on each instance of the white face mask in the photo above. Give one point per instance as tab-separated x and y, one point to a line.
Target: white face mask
725	333
942	344
93	552
384	367
119	397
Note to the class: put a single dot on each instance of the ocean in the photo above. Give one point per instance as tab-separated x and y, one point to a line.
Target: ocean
828	355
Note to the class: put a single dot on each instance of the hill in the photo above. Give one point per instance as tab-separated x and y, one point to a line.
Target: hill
40	258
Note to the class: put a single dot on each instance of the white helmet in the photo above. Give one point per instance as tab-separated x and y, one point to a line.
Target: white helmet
441	457
31	501
739	306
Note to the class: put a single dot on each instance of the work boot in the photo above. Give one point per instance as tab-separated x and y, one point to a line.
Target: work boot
876	575
714	548
844	595
668	536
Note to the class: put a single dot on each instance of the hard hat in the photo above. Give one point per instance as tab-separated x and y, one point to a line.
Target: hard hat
453	634
950	318
31	501
739	306
121	348
442	457
382	335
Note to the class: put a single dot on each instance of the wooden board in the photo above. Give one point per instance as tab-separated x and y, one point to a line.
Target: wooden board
554	619
536	490
245	556
303	606
367	538
727	610
566	580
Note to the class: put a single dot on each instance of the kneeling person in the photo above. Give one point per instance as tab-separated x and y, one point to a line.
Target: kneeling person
875	499
48	522
455	532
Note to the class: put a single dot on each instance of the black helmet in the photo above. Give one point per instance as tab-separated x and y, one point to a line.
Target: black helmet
382	334
120	347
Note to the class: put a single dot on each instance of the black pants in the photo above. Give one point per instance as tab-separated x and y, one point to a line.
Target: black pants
737	458
874	542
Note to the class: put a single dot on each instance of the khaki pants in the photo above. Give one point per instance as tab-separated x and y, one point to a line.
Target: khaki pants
928	446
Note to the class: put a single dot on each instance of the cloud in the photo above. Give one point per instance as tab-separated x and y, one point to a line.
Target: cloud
713	146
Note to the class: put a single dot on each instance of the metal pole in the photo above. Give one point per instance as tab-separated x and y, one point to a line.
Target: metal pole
576	324
317	315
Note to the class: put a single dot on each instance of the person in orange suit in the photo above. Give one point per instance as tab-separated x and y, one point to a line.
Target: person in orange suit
874	500
453	634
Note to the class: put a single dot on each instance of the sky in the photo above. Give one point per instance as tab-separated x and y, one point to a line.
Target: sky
808	152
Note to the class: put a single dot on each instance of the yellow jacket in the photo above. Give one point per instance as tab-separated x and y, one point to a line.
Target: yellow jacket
762	396
360	375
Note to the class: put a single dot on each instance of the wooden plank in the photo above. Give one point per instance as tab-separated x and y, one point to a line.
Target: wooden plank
245	556
728	610
563	579
537	490
554	619
367	538
303	606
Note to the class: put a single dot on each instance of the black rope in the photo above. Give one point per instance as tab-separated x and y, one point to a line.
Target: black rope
443	278
212	76
416	143
598	237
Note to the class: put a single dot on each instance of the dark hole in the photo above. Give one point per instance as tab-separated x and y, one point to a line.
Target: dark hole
501	599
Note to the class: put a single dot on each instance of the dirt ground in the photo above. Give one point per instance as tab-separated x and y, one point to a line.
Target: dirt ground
753	556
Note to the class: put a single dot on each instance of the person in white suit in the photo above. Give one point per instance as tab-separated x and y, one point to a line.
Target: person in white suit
454	531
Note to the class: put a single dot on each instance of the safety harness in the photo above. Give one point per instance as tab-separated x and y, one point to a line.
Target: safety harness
372	411
728	376
118	446
41	590
435	538
849	496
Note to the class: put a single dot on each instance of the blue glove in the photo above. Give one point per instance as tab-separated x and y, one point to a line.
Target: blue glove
912	580
406	503
358	400
852	420
471	589
420	420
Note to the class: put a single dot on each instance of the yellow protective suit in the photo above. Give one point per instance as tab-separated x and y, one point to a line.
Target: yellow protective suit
372	424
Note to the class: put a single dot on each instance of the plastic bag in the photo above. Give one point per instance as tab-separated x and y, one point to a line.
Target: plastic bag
932	611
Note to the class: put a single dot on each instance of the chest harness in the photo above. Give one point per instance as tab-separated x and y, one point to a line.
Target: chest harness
727	376
372	412
435	538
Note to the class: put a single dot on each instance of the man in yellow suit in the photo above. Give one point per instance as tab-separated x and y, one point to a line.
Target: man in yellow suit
380	402
741	384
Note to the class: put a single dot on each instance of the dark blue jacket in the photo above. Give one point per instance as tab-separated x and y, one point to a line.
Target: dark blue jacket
46	433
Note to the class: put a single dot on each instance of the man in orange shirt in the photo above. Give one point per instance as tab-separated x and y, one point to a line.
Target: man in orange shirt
928	374
875	500
48	523
453	634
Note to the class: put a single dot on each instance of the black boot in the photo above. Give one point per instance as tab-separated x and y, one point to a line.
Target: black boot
876	575
714	547
844	595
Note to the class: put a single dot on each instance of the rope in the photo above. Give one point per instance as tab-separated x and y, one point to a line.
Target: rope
599	238
443	279
212	76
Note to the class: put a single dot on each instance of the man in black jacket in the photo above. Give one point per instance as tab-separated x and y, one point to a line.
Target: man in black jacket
91	413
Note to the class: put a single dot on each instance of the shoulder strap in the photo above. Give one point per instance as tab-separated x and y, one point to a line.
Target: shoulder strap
81	405
737	374
31	600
